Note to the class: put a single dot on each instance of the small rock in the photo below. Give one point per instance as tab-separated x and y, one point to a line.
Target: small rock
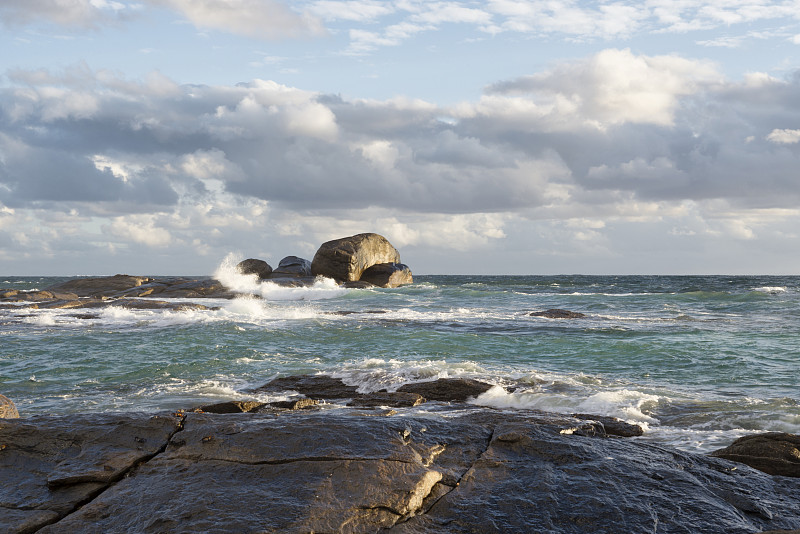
253	266
296	404
294	265
397	399
612	425
447	389
388	275
232	407
556	313
775	453
8	409
313	386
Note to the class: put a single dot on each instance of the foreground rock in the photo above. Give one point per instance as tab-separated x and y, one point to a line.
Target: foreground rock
346	259
776	453
8	409
473	470
388	275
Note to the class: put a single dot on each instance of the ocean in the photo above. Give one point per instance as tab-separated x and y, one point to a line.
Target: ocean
696	360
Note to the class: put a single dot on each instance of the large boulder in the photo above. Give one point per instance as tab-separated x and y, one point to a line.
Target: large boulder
259	268
347	258
293	265
388	275
776	453
7	408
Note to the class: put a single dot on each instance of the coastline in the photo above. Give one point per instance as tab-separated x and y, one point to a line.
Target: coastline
464	469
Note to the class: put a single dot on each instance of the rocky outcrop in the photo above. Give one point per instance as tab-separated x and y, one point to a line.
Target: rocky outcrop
556	313
468	470
294	266
388	275
347	258
99	287
447	389
8	409
260	268
776	453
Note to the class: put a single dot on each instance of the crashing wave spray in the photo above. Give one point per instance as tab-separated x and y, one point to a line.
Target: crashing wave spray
228	274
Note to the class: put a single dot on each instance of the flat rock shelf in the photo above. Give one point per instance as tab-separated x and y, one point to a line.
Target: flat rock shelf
464	469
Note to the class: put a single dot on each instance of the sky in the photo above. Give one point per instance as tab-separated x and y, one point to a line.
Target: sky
495	137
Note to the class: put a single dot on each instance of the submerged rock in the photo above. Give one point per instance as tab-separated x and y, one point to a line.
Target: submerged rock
776	453
8	410
347	258
556	313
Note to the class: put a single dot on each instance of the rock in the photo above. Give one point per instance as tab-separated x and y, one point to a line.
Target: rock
347	258
338	471
447	389
296	404
388	275
231	407
98	287
50	465
395	399
259	268
555	313
294	266
312	386
613	426
8	409
776	453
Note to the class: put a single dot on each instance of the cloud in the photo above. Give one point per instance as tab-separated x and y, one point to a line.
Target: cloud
78	14
261	19
784	137
563	160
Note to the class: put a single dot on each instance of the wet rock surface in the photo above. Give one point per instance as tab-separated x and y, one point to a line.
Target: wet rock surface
776	453
334	470
447	389
8	410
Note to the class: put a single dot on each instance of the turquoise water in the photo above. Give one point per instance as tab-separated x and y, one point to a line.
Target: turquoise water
697	360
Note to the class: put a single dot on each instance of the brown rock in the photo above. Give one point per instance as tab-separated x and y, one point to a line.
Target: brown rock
295	404
232	407
555	313
260	268
97	287
388	275
397	399
8	409
775	453
447	389
347	258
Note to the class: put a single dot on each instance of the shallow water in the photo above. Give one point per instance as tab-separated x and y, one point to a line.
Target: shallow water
697	360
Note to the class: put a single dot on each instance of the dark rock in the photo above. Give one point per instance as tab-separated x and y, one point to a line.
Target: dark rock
359	284
259	268
388	275
231	407
295	404
337	471
555	313
613	426
347	258
312	386
395	399
50	465
293	265
98	287
8	409
447	389
776	453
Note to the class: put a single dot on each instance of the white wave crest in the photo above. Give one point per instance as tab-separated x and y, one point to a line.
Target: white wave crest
227	273
628	405
772	290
